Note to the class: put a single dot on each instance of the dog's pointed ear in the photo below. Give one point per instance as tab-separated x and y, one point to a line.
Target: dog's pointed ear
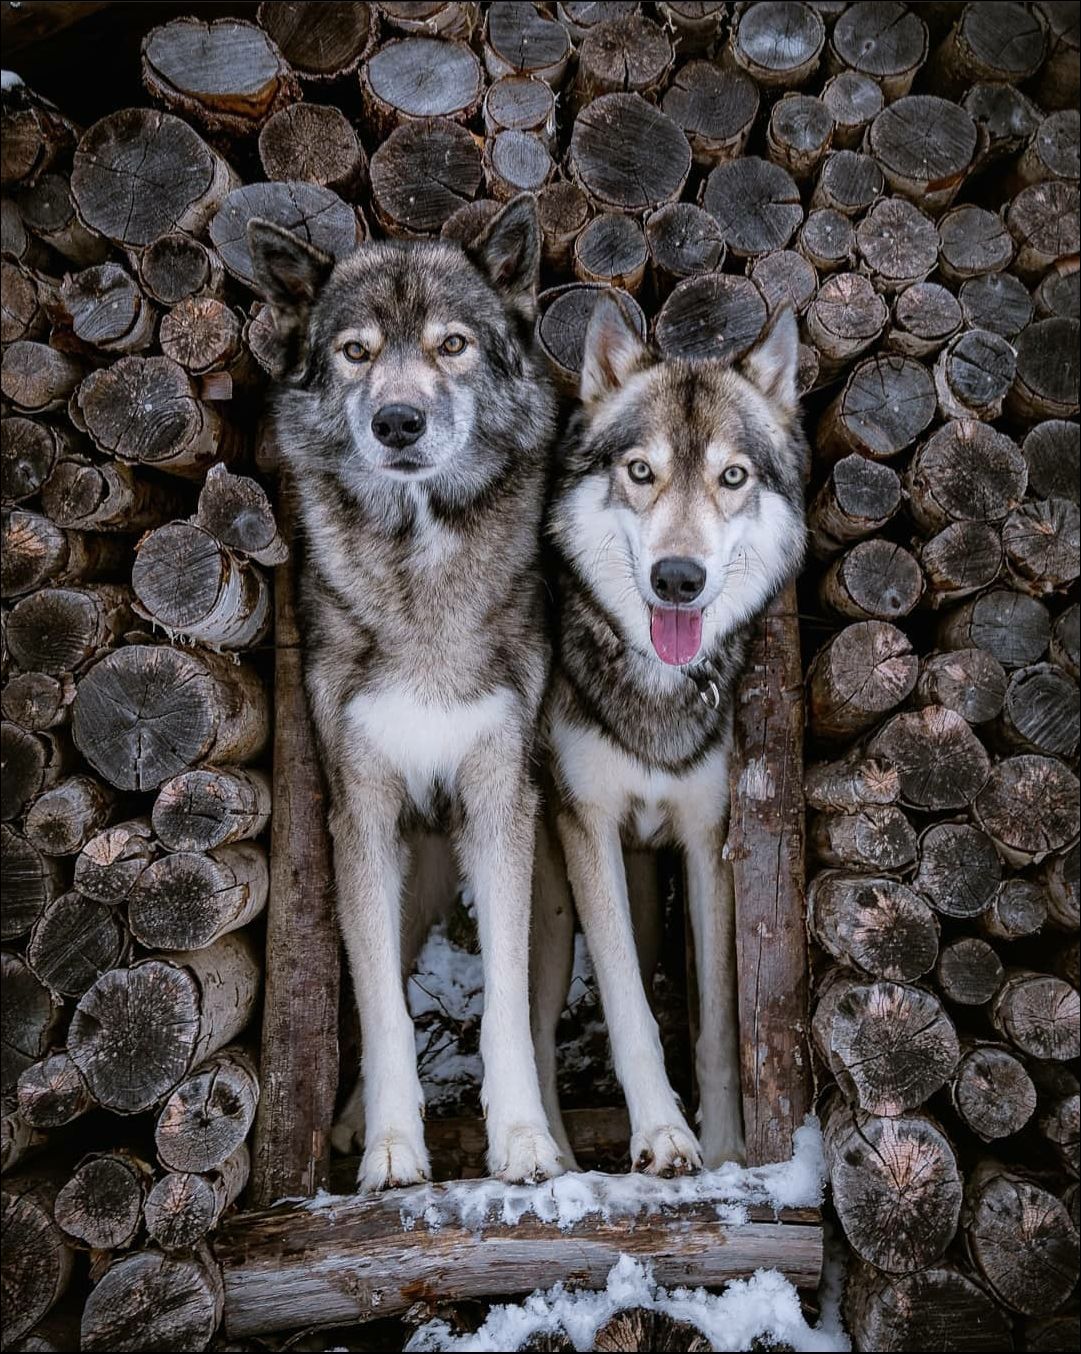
508	253
288	271
773	363
613	352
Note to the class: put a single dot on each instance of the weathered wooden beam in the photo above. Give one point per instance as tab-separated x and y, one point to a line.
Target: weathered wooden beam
351	1258
766	848
299	1060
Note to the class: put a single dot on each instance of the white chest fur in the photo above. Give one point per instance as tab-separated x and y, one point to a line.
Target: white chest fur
654	806
426	741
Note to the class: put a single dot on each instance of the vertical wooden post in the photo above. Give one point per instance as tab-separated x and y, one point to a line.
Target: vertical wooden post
300	1019
766	848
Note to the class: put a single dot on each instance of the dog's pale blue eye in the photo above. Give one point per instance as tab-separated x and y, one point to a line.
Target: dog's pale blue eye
640	472
355	352
453	344
733	477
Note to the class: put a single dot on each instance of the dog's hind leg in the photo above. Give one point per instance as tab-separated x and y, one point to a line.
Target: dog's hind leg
712	906
551	958
495	845
369	861
661	1141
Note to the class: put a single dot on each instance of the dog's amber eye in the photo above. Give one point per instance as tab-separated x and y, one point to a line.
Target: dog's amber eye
355	352
733	477
640	472
452	345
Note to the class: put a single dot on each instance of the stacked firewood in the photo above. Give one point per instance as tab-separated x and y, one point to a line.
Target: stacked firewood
906	177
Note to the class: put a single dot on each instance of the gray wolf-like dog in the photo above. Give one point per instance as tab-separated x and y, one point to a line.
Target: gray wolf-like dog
417	422
677	516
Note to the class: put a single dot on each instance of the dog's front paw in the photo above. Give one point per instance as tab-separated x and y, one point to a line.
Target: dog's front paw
392	1159
524	1154
668	1150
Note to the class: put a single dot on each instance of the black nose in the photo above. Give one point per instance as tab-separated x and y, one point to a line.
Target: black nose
398	425
677	581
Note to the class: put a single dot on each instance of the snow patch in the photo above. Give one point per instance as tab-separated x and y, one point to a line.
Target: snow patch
568	1199
765	1305
9	80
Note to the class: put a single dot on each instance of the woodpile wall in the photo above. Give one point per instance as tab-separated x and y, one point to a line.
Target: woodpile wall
906	177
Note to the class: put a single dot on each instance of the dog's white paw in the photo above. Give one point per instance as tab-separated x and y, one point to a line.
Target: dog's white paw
395	1158
668	1150
524	1154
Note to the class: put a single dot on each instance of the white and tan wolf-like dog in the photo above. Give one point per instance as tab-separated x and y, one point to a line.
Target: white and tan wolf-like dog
677	516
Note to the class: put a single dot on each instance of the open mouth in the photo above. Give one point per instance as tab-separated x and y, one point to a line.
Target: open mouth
676	632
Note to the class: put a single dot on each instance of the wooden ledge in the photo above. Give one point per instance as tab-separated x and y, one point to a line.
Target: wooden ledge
341	1259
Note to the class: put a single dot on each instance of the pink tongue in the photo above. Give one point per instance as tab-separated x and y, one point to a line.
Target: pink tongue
676	633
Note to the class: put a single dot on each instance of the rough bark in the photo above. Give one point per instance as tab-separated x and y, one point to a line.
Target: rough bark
422	174
227	76
1038	1014
991	1092
715	108
627	155
145	713
890	1045
859	675
185	900
138	1031
37	378
109	864
138	174
101	1205
207	1117
37	1258
850	783
191	585
1020	1239
322	43
857	499
959	870
147	1300
874	925
61	630
896	1186
878	837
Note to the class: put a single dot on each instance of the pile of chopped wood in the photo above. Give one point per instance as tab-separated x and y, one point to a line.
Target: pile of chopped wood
906	177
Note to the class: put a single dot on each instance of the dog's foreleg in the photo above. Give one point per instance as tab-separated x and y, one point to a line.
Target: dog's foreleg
661	1142
712	906
496	848
368	862
551	957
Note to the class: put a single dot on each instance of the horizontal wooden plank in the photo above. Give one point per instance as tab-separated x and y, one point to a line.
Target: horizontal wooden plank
341	1259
